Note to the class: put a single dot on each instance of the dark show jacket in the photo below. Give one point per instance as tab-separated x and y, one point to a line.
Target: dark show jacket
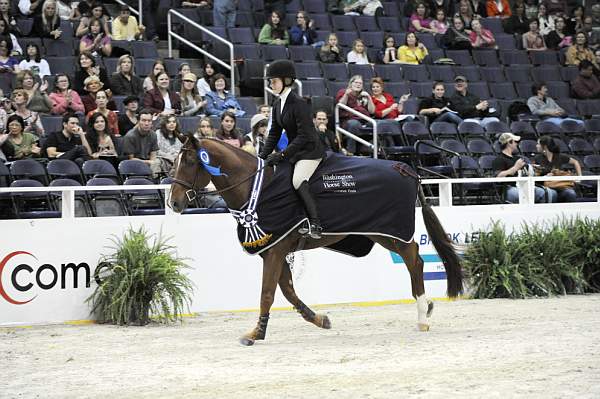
153	100
304	141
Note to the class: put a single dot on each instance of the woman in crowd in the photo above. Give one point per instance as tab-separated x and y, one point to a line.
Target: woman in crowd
575	23
456	37
227	132
124	81
129	118
255	139
161	100
437	107
413	51
21	144
517	23
34	62
99	136
33	124
219	100
420	21
37	93
203	84
440	24
111	116
549	162
533	40
579	51
274	31
150	81
93	85
331	52
96	10
168	143
191	102
64	99
358	54
5	31
385	105
304	32
47	24
465	12
445	5
205	129
8	63
177	81
558	38
531	9
9	17
65	11
96	41
545	21
481	37
87	68
388	55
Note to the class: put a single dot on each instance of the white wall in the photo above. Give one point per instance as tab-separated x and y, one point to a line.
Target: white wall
225	277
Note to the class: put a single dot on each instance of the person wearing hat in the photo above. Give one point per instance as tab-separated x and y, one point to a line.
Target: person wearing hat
469	106
129	118
255	139
125	26
304	151
191	102
508	165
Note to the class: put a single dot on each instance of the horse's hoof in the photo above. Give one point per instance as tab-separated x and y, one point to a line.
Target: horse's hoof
423	327
325	323
429	308
246	341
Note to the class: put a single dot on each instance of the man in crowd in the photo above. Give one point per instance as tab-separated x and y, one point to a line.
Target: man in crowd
508	165
593	35
545	107
469	106
69	143
140	142
328	138
586	85
125	26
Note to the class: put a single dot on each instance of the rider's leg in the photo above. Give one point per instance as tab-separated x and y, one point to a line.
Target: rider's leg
303	170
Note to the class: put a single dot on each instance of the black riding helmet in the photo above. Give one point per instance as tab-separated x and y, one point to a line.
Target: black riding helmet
282	69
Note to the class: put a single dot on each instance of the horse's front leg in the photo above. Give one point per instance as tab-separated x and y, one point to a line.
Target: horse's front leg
286	285
272	265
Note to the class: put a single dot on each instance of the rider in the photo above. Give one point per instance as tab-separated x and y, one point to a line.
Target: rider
305	151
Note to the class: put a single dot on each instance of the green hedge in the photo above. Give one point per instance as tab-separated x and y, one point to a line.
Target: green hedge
539	260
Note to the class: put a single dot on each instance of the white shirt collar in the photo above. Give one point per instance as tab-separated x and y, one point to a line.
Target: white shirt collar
284	96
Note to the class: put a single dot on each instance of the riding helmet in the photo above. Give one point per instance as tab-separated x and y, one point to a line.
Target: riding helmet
281	69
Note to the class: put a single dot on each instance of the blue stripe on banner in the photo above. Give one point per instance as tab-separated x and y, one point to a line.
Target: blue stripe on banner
426	258
434	276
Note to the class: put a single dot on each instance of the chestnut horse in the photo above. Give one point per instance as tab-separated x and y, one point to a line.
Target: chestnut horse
234	184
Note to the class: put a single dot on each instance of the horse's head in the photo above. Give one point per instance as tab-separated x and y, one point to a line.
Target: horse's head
190	176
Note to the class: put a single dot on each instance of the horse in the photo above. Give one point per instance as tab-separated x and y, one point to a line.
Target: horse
234	184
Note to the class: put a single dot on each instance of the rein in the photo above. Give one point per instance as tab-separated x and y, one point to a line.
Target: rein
192	192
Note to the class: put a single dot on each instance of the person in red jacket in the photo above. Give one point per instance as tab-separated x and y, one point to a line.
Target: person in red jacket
498	8
161	100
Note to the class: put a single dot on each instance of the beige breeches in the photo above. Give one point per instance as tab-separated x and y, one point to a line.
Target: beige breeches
303	170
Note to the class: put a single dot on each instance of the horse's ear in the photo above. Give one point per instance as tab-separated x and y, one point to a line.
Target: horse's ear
192	139
180	136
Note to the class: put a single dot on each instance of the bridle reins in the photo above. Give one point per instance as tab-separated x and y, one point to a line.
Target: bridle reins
192	193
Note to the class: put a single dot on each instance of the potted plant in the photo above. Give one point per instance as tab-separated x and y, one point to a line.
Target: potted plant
140	278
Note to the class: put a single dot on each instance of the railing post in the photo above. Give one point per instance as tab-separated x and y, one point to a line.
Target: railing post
140	13
67	204
445	189
169	37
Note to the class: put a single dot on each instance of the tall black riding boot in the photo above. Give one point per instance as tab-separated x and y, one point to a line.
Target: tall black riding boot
311	209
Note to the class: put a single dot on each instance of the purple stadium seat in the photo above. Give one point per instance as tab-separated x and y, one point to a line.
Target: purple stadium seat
514	57
372	39
493	24
546	73
416	73
471	72
321	21
492	73
480	89
441	73
389	72
485	57
454	145
293	6
416	130
390	9
503	90
461	57
307	70
337	72
568	73
334	86
558	90
397	89
579	146
64	168
592	126
366	23
471	129
543	57
572	128
315	6
518	73
588	107
592	162
366	71
247	51
478	146
343	23
545	127
496	127
390	24
346	39
528	147
241	35
523	129
505	42
443	129
313	87
420	89
29	169
273	52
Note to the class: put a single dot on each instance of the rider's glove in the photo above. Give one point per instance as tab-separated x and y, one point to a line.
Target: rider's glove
274	158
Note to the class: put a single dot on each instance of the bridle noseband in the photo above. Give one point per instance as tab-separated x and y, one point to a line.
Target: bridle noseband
192	193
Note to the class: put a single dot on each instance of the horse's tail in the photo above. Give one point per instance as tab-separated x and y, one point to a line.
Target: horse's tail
443	246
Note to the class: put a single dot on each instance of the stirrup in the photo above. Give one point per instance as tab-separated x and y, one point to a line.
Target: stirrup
311	229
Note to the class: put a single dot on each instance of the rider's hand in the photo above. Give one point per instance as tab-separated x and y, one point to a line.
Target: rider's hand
274	158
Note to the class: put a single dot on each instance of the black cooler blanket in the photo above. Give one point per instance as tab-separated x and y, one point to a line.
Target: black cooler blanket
355	196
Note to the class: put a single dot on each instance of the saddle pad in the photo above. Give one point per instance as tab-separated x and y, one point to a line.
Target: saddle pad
355	196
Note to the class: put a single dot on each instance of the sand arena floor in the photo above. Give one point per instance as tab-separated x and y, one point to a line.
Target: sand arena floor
536	348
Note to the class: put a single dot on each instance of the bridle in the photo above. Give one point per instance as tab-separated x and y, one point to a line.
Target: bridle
192	193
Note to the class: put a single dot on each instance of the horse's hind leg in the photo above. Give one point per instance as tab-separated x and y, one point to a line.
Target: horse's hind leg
272	266
287	288
410	253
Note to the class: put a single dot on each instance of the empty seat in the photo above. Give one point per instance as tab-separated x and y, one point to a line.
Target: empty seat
479	146
189	124
572	128
454	145
334	87
470	129
248	104
29	169
493	24
505	42
485	57
443	129
390	8
398	89
514	57
428	40
471	72
144	49
523	129
528	147
314	6
580	146
420	89
592	162
273	52
558	90
415	130
461	57
302	53
134	167
366	71
345	39
372	39
592	126
496	127
416	73
492	74
313	87
588	107
544	57
306	70
545	127
241	35
503	90
343	23
244	19
518	73
64	65
99	168
143	66
546	73
64	168
105	203
390	24
366	23
34	204
247	51
480	89
335	71
568	73
321	21
389	72
442	73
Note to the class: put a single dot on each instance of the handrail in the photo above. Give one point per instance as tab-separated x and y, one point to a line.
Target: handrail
372	121
171	34
133	10
267	89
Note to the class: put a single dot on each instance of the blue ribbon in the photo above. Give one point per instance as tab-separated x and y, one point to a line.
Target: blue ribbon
205	162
